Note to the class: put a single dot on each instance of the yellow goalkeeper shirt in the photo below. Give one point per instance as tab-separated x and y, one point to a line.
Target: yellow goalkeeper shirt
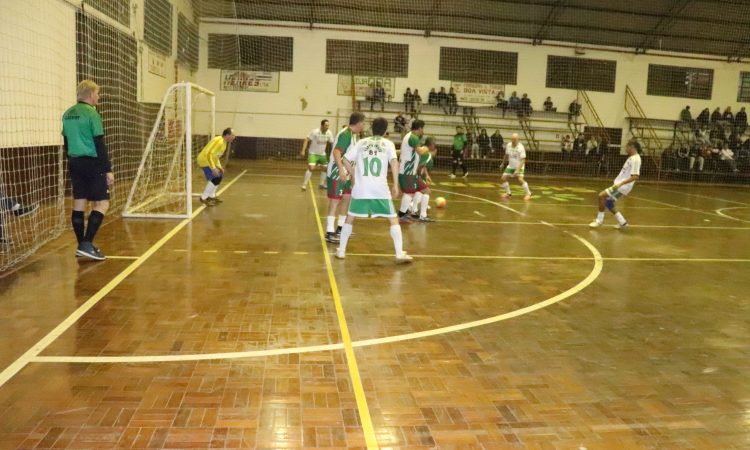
209	156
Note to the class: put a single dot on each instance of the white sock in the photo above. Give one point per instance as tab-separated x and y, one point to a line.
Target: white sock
526	188
405	202
16	207
323	178
600	217
398	242
346	232
425	204
342	219
506	186
330	224
308	174
416	201
620	219
207	192
214	188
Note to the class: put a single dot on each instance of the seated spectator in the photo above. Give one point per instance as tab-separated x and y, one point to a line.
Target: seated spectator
579	146
734	141
566	145
696	154
514	103
500	102
687	118
728	116
726	155
496	140
574	110
432	98
378	96
408	101
484	144
669	159
702	136
744	150
682	156
452	102
703	118
399	123
525	110
716	136
740	122
592	146
548	106
18	210
716	115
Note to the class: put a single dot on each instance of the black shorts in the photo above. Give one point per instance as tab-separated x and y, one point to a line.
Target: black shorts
88	178
458	155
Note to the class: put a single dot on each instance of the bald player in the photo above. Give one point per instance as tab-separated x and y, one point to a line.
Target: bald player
515	157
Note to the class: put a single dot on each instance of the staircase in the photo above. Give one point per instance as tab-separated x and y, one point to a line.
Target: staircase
643	129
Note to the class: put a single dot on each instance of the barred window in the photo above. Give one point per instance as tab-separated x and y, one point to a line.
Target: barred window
743	94
478	66
245	52
157	25
581	73
674	81
380	59
187	42
116	9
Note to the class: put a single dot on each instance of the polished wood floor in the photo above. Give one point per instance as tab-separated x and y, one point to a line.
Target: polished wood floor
515	327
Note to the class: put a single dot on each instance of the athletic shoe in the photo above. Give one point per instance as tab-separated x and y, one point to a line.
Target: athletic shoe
304	188
452	175
403	258
426	219
25	210
331	238
339	254
217	200
322	186
414	215
208	202
506	195
595	224
88	250
404	219
621	226
466	174
527	197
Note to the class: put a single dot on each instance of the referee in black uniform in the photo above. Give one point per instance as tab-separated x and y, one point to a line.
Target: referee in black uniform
89	166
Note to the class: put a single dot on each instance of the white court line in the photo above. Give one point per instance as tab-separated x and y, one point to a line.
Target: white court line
17	365
555	258
700	196
121	257
558	224
720	212
684	208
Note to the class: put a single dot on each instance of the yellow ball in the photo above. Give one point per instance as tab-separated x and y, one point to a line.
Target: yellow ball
440	202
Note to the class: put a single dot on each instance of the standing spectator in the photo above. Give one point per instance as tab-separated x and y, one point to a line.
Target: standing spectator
417	101
703	118
408	101
432	98
442	98
484	144
548	106
399	123
378	97
88	162
728	116
473	146
716	115
497	144
459	144
525	106
687	118
452	102
500	101
740	121
514	103
574	110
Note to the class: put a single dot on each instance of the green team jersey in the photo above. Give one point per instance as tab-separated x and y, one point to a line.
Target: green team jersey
344	140
408	157
81	124
425	163
459	141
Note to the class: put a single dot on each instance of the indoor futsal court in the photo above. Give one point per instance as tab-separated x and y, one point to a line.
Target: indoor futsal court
457	225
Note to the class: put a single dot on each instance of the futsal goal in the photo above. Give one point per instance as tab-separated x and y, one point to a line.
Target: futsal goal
162	188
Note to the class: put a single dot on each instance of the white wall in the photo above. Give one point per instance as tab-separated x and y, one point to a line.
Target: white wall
281	114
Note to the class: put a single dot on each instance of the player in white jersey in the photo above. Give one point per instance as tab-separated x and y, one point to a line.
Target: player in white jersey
339	180
411	150
515	155
316	143
624	183
371	158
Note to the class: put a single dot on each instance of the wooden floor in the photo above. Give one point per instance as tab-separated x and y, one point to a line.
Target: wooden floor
515	327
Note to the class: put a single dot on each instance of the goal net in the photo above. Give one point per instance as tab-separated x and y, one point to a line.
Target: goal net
162	187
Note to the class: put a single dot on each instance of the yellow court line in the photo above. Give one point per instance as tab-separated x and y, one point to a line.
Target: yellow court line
351	360
510	222
43	343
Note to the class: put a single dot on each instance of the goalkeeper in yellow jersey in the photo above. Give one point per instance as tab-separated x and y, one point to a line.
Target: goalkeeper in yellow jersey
209	160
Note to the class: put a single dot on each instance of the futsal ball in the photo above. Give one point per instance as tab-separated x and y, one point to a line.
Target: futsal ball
440	202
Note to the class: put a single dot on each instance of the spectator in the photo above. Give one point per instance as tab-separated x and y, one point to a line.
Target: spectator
417	101
452	102
408	101
18	210
579	146
728	116
496	140
716	115
574	110
378	96
740	121
682	156
399	123
702	136
703	118
432	98
566	146
727	157
592	146
734	141
442	99
484	144
525	106
514	103
686	117
716	136
669	159
473	146
549	107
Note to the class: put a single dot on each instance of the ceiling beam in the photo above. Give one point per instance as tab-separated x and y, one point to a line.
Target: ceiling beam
551	20
663	24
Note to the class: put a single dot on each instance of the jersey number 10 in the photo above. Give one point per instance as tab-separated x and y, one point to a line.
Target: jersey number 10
372	167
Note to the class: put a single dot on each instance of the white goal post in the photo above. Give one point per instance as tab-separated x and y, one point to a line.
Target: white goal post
162	188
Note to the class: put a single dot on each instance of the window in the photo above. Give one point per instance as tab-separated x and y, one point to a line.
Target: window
478	66
244	52
686	82
187	42
743	94
367	58
116	9
581	73
157	25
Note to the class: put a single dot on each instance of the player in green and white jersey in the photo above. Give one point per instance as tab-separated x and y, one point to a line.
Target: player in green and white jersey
339	180
422	197
315	144
624	183
411	150
371	158
515	155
